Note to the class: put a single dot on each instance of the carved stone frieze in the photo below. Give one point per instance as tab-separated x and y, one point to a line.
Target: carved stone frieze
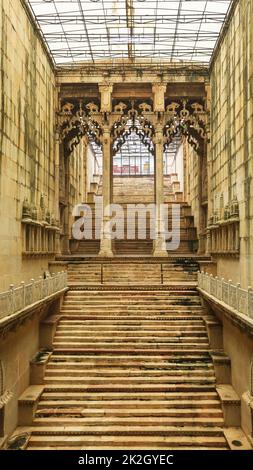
181	116
189	118
77	119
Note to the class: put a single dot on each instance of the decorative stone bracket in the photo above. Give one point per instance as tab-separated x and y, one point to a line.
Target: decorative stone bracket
189	118
79	118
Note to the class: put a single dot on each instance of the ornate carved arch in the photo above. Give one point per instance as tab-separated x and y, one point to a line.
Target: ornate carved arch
132	116
77	119
189	118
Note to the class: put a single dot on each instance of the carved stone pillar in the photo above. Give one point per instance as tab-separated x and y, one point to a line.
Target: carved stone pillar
105	240
106	107
159	244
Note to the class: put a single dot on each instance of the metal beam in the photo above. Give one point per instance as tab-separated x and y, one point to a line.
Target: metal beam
130	25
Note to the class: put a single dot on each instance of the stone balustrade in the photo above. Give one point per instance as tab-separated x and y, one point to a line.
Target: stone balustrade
20	297
232	295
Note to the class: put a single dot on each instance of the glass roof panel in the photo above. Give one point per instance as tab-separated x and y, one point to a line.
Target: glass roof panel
91	30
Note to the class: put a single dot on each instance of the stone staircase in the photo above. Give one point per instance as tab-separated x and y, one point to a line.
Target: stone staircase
124	271
137	245
127	367
133	189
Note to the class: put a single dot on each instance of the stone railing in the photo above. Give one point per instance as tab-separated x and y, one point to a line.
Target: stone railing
232	295
20	297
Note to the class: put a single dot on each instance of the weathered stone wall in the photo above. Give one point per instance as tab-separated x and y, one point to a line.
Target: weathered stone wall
232	135
27	110
16	351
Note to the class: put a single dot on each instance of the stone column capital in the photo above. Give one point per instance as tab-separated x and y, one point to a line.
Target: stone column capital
105	87
159	86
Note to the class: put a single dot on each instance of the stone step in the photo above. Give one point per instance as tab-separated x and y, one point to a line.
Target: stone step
169	338
129	330
181	300
151	319
129	380
123	373
154	368
171	270
178	297
130	388
139	397
80	304
189	294
153	352
121	312
125	406
105	422
141	335
71	315
144	293
116	346
175	359
69	432
134	446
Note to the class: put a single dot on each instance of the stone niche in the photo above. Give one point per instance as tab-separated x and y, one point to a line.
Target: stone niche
39	231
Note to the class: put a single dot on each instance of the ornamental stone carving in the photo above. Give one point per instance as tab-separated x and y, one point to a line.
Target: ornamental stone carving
77	119
106	92
159	90
181	116
188	118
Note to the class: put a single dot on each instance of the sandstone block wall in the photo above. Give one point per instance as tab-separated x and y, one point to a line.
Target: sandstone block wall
232	135
27	113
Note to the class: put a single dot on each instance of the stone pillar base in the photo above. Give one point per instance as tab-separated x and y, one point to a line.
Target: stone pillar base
159	248
106	248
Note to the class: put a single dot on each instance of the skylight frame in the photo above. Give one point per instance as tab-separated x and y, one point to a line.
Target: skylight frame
84	31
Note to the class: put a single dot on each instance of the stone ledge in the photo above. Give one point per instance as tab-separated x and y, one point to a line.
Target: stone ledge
236	439
47	331
38	254
231	405
141	287
12	321
27	404
38	366
222	367
214	332
31	395
227	394
72	259
242	321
